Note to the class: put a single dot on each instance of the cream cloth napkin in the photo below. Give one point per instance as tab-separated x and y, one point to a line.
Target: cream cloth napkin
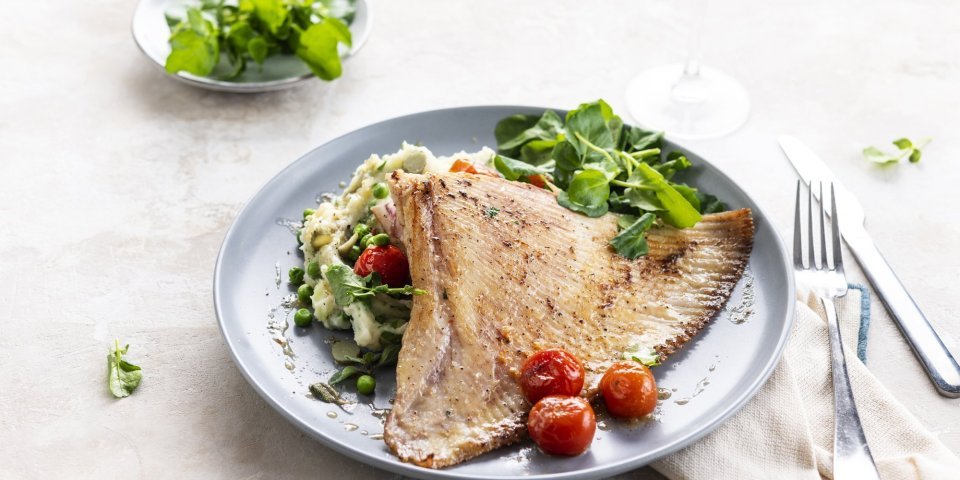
786	431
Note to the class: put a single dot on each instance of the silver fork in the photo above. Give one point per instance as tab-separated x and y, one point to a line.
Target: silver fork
851	455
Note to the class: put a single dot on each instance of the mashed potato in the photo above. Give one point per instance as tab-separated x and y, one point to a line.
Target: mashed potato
329	232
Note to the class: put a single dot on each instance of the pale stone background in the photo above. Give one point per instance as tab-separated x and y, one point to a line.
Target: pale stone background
117	186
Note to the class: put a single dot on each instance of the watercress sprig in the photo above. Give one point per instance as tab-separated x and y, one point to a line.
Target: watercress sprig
909	149
123	377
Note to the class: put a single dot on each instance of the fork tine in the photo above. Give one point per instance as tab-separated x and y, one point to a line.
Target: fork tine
812	252
835	227
797	234
823	231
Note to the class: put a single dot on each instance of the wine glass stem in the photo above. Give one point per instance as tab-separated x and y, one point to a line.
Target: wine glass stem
687	88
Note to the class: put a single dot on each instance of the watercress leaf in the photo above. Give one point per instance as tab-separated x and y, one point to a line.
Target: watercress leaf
594	133
677	211
240	35
317	47
344	283
643	199
689	193
273	13
512	127
537	152
123	377
257	48
172	19
547	127
194	47
903	143
631	242
567	158
876	155
676	161
608	166
710	203
389	355
588	193
514	169
636	138
345	373
645	355
915	155
624	221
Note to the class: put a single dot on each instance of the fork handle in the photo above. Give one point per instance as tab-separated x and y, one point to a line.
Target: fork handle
939	364
851	455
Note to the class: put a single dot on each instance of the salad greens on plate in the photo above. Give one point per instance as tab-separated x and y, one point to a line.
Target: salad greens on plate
596	165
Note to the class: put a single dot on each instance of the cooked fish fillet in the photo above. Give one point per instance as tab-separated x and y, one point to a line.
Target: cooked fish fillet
508	271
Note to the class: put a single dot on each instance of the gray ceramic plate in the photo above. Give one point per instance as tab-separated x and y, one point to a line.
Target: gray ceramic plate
152	34
709	380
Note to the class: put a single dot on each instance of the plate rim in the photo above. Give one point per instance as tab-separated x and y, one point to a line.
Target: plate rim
627	464
249	87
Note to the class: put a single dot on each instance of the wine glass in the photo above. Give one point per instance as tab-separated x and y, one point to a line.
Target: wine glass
688	100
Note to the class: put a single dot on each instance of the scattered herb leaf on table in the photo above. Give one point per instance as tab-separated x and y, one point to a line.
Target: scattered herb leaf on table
907	149
124	377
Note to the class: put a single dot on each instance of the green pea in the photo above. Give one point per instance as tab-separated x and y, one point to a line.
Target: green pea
313	269
365	240
361	230
354	253
380	240
296	275
366	385
307	212
304	293
380	190
303	317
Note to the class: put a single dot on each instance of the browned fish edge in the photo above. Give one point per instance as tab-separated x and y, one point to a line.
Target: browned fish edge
742	221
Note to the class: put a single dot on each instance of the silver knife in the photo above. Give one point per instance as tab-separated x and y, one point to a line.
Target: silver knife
923	339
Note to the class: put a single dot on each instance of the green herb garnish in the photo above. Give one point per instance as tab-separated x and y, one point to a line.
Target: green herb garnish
348	286
253	30
326	393
631	241
491	212
344	374
645	355
596	164
124	377
907	149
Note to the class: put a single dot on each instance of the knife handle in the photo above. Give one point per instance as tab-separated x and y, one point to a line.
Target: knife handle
940	365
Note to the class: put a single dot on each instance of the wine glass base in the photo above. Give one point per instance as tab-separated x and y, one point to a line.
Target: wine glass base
722	107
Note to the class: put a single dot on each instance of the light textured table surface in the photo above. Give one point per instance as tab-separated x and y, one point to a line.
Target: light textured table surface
117	186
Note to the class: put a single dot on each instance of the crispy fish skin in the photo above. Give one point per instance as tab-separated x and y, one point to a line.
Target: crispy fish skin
508	272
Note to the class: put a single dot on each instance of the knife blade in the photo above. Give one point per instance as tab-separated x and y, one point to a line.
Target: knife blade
936	360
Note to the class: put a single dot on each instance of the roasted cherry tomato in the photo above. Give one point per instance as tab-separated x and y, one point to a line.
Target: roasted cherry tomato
629	390
389	261
467	166
562	425
551	372
537	180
